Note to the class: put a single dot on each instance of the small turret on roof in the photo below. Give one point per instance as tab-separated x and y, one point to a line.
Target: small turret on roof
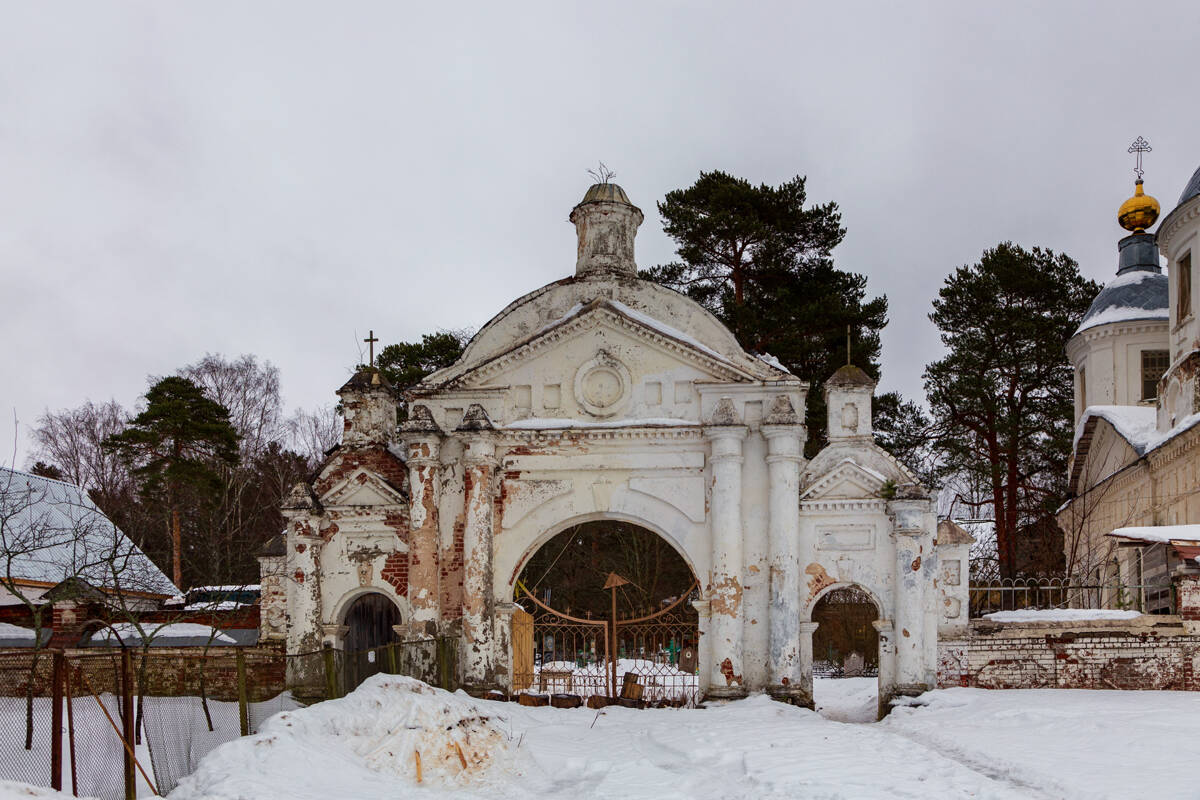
368	407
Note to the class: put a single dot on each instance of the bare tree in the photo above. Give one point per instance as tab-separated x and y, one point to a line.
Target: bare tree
250	392
72	439
314	433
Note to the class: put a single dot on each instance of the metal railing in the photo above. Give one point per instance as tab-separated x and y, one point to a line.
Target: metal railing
1016	594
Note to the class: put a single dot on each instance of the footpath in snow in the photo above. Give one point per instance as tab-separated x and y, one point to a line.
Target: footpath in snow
955	743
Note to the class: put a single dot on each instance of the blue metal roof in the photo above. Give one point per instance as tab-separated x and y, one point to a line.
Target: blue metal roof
1192	189
1135	295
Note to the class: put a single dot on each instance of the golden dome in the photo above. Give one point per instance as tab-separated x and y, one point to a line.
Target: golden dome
1138	212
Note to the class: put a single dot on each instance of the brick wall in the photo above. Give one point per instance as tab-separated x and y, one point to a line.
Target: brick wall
170	671
1151	652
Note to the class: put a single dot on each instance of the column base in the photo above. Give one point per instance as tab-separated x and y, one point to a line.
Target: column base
792	695
904	690
726	693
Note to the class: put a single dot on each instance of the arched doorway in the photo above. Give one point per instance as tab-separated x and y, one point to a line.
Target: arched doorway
370	628
605	610
846	655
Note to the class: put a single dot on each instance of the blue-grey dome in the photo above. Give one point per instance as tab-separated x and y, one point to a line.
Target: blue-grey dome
1192	189
1133	295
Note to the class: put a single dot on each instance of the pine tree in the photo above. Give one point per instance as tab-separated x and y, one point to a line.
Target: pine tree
761	261
405	364
1001	399
175	448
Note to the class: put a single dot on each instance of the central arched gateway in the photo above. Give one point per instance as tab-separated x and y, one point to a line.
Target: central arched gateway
605	608
603	396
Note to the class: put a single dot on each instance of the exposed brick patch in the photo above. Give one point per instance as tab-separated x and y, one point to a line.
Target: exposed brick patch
395	572
992	657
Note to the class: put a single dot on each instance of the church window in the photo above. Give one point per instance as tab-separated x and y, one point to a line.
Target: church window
1082	390
1154	366
1184	285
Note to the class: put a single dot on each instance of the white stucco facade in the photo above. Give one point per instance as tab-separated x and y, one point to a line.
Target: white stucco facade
604	396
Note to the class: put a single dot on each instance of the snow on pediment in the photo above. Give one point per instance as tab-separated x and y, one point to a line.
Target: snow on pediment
847	479
362	488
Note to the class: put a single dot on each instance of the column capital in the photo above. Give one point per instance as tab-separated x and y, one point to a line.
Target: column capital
723	432
480	449
882	626
703	608
809	627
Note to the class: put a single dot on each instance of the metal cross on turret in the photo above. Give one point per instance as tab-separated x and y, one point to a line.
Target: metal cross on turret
370	342
1139	146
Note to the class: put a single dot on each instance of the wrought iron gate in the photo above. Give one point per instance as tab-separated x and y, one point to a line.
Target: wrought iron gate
650	659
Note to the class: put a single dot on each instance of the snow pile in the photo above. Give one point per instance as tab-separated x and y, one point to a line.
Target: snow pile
1060	615
363	745
11	790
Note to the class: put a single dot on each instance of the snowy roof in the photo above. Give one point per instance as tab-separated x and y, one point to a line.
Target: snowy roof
1138	294
51	531
173	634
1136	424
1159	533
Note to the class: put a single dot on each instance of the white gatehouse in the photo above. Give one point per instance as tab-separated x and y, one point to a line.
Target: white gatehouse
603	396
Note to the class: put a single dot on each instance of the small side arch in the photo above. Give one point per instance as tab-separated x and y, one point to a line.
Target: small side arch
880	609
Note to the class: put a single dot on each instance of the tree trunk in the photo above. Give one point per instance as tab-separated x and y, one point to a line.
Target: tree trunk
176	549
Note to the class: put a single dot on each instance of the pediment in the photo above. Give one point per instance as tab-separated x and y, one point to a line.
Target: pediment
846	480
362	487
609	324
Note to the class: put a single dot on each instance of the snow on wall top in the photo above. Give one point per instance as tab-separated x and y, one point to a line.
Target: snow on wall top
51	531
1060	615
1159	533
1136	295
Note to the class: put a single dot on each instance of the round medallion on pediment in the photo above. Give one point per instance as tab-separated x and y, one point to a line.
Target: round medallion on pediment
602	385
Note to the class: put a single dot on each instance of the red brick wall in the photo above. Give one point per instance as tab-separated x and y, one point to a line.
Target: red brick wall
395	572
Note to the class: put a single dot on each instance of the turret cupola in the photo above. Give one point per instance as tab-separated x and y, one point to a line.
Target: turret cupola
848	402
606	224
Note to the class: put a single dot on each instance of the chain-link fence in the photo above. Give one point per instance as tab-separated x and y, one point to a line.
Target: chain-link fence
122	723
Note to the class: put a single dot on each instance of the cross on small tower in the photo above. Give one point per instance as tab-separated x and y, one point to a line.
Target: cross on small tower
371	340
1139	146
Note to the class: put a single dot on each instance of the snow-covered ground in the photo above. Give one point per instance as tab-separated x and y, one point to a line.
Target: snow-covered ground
954	743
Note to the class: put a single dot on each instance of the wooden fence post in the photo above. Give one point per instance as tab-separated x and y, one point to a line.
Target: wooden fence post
127	722
56	722
243	704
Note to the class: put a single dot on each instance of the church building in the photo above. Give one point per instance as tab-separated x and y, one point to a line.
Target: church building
603	396
1133	519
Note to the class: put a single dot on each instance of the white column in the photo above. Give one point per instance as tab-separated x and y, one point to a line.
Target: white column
803	694
785	455
887	664
424	482
909	618
478	603
726	676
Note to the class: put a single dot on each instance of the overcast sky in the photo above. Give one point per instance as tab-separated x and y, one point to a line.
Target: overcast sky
278	178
